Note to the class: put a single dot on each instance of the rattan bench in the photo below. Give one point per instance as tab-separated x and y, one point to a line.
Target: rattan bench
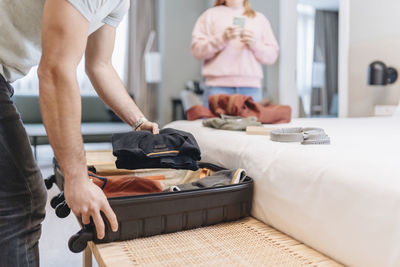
247	242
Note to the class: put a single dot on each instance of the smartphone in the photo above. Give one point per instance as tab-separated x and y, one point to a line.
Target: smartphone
239	21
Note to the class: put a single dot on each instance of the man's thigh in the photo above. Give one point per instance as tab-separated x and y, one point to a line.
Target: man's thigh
22	192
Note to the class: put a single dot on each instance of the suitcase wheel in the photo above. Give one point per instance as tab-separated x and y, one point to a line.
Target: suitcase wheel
78	242
55	201
50	181
62	210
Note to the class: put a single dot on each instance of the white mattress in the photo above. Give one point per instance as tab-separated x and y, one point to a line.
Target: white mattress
342	199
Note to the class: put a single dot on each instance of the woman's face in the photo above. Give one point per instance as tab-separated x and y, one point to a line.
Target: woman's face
234	3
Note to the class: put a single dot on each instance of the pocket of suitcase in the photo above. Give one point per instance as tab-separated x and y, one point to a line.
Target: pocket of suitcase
166	212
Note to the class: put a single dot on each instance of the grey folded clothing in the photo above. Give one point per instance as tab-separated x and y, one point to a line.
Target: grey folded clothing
307	136
231	123
221	178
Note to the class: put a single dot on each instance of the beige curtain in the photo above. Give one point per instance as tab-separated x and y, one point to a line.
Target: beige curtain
142	23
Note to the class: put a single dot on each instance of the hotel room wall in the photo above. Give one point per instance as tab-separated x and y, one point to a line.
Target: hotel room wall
373	35
270	8
176	19
175	24
288	94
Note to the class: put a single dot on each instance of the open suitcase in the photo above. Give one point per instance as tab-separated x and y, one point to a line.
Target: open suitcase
159	213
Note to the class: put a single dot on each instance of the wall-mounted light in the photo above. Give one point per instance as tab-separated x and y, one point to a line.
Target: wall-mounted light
380	74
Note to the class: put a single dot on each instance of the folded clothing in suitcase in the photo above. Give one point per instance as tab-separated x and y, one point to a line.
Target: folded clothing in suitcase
128	185
142	150
125	185
220	178
165	212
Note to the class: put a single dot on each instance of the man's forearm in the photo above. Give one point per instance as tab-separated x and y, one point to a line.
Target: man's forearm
61	112
63	45
112	91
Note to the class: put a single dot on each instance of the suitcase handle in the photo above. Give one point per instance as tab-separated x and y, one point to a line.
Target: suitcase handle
78	242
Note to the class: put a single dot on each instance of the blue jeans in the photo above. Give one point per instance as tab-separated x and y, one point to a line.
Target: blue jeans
255	93
22	191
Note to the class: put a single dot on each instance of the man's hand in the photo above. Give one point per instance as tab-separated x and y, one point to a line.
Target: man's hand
149	126
86	199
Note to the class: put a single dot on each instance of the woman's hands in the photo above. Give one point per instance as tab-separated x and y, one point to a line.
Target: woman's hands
232	32
246	36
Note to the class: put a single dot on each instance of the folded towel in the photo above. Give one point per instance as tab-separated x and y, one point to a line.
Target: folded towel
233	123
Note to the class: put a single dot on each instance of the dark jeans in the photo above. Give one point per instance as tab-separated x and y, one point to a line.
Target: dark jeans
22	192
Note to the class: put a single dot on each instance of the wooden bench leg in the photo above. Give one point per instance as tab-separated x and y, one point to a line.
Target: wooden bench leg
87	257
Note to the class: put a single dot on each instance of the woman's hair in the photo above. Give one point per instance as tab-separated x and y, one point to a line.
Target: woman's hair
248	11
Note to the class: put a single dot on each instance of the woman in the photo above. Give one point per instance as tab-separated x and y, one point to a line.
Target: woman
233	41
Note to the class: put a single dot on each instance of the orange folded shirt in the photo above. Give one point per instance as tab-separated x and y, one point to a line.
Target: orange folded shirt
126	185
243	106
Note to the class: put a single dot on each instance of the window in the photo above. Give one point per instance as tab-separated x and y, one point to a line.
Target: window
29	85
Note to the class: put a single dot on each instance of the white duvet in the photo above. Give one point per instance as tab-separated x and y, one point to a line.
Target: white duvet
342	199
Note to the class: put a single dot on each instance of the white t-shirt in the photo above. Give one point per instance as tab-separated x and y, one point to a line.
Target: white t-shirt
21	23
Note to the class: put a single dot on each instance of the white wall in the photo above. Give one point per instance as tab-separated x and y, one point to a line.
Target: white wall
175	24
270	8
344	44
288	94
322	4
374	34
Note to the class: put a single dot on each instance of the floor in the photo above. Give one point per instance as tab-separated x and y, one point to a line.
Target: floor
56	232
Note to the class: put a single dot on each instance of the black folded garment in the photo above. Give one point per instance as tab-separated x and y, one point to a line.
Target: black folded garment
171	148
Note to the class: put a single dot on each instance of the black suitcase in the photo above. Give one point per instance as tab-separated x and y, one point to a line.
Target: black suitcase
167	212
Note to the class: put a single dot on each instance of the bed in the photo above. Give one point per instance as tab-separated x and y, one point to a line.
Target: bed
341	199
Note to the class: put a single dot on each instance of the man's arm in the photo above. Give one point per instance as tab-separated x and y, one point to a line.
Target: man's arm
64	38
106	81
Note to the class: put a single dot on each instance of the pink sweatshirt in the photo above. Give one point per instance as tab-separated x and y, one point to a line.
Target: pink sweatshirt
232	64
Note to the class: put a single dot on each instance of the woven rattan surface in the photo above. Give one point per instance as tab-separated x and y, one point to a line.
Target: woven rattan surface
243	243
